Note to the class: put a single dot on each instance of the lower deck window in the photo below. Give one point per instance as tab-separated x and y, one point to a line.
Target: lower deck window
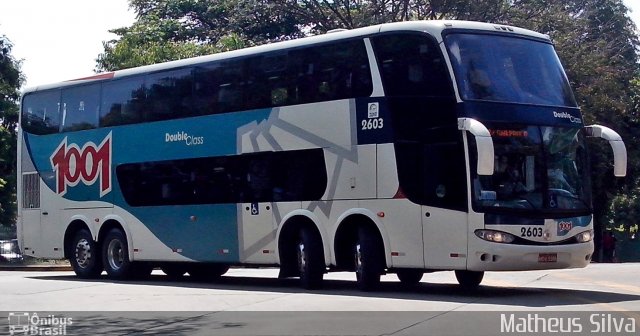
259	177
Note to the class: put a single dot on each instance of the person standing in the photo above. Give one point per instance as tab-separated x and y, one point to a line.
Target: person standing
609	246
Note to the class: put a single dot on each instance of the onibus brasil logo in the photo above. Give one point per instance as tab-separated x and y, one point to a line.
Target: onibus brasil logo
32	324
88	164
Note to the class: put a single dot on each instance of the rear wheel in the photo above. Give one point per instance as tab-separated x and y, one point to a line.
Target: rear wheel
369	259
85	255
410	277
141	270
174	271
115	255
469	280
310	257
207	272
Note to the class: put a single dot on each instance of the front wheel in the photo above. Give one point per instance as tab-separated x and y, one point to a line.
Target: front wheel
85	255
409	277
369	259
469	280
310	259
115	255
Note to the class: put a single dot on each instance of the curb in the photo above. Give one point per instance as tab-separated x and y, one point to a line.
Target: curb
36	268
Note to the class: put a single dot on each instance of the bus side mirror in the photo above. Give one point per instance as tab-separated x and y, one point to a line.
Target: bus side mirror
619	149
484	143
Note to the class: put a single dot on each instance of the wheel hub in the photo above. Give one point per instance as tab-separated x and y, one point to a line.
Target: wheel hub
302	258
83	253
358	260
115	254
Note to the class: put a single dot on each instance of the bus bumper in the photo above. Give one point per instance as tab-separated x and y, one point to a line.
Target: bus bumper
487	256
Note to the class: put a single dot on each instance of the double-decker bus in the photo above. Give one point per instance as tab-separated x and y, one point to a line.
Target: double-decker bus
399	148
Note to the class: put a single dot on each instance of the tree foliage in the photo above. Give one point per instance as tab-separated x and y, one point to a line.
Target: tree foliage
10	82
595	39
174	29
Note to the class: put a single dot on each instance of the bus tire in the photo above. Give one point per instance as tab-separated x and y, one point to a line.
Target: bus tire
85	255
174	271
141	270
207	272
310	257
368	260
469	280
409	276
115	255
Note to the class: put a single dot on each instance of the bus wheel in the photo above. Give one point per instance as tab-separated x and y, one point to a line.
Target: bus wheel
310	260
409	276
469	279
174	271
85	259
368	260
115	255
141	270
207	272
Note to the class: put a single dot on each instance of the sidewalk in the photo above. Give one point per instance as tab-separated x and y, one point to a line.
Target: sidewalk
35	268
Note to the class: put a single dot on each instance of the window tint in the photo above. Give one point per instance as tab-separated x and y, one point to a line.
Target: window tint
207	83
169	94
412	65
260	177
80	107
123	102
41	112
300	76
334	71
508	69
288	77
433	174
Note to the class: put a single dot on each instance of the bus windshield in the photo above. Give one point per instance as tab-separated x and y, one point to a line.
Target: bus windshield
541	168
508	69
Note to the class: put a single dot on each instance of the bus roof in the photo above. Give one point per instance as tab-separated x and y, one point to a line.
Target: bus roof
434	27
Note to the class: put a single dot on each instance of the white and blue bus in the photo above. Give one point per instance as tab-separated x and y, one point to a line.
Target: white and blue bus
399	148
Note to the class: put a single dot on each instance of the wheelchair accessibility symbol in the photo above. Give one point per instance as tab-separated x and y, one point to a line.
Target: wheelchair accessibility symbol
255	210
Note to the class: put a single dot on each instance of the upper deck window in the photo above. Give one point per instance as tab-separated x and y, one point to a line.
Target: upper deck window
412	65
41	112
80	107
508	69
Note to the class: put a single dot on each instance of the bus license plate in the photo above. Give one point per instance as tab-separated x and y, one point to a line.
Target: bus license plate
547	257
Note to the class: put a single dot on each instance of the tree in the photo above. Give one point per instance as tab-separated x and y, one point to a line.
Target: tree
10	81
174	29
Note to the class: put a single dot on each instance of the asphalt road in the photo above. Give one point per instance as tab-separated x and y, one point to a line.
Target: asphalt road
601	299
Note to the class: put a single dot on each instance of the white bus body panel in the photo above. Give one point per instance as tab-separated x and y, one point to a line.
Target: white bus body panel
402	230
257	233
510	257
445	238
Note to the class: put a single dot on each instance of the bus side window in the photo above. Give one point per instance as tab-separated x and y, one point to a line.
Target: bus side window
41	112
205	95
231	87
258	177
322	73
169	94
412	64
80	107
123	102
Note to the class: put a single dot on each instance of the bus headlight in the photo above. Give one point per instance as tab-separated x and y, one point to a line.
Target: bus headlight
495	236
584	237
